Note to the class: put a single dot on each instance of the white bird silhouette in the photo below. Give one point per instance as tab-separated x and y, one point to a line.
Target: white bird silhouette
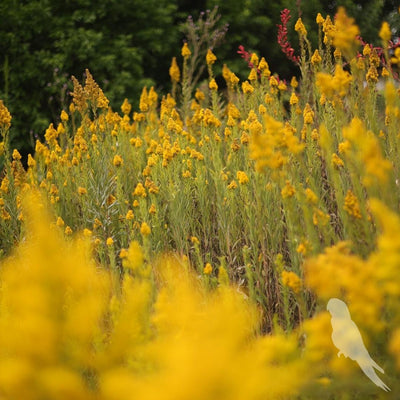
347	338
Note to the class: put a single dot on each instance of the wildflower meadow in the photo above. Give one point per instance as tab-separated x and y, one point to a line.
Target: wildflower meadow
188	249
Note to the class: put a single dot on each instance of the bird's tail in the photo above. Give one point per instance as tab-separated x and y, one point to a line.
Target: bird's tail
370	372
376	366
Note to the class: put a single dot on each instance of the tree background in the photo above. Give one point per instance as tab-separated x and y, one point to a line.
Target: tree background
128	44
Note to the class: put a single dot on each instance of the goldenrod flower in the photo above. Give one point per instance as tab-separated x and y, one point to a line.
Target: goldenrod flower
337	161
210	57
64	116
300	28
232	185
174	72
123	253
308	114
126	107
145	229
252	75
118	161
351	205
242	177
16	155
288	190
200	96
129	215
385	34
139	191
316	58
290	279
213	85
109	241
82	190
311	197
207	270
31	161
152	209
5	116
319	19
264	68
68	230
60	222
293	99
194	240
87	232
247	88
186	51
345	35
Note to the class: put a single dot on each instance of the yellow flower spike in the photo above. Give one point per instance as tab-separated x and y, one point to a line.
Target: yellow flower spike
87	233
254	59
210	57
351	205
232	185
207	270
145	229
186	53
5	116
308	114
123	253
129	215
264	68
385	34
345	35
291	280
288	190
118	161
213	85
234	79
68	230
16	156
252	75
64	116
194	240
174	71
82	191
247	88
320	19
200	96
144	100
300	28
294	83
311	197
139	191
152	209
109	242
336	161
242	177
293	99
60	222
126	107
31	161
316	58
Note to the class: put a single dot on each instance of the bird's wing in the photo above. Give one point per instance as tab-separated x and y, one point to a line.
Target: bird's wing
370	372
347	338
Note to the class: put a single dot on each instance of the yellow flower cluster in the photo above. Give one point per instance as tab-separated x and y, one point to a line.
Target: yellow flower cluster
5	116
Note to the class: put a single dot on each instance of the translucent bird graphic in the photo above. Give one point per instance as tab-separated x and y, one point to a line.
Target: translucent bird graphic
347	338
